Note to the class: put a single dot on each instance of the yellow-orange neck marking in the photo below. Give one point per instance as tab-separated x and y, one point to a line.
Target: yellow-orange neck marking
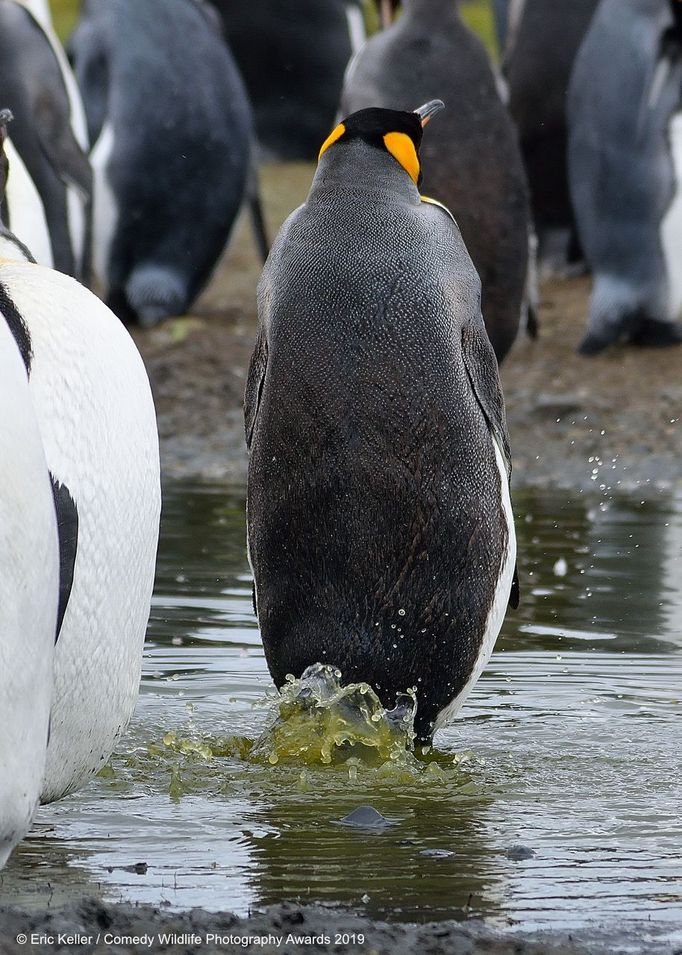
401	147
331	139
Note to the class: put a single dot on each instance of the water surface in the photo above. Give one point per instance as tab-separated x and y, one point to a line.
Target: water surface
569	748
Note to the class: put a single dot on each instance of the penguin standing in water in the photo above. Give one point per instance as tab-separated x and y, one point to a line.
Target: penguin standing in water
472	160
49	191
171	131
625	167
95	414
380	529
542	38
292	55
29	584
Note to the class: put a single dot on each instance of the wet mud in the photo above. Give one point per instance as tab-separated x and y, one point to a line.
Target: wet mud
90	926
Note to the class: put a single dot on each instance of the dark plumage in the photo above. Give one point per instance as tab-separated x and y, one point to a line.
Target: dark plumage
541	45
379	536
625	165
32	87
292	54
471	157
171	128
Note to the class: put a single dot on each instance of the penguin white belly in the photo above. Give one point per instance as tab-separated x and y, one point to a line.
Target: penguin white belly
105	209
29	586
96	416
26	210
671	226
500	602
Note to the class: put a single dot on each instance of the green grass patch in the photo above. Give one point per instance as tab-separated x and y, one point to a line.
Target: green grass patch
64	14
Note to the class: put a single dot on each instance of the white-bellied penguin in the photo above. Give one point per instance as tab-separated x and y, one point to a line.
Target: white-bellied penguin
29	591
95	413
171	130
49	192
472	160
380	528
625	170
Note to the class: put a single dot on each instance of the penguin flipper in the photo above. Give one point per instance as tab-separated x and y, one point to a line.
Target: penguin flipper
67	532
481	368
60	146
254	384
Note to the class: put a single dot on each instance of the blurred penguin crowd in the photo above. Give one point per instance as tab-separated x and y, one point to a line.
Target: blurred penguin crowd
133	149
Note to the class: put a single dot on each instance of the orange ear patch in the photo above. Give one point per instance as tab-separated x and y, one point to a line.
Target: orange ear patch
331	139
401	147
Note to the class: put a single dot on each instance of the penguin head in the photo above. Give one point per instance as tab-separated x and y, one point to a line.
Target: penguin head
390	131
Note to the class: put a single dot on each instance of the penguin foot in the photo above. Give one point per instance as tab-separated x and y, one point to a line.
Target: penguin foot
593	343
155	292
652	333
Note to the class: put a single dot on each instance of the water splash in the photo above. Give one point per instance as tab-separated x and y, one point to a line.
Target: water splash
320	721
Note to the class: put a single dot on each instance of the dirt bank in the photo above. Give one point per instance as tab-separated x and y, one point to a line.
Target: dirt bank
92	926
575	422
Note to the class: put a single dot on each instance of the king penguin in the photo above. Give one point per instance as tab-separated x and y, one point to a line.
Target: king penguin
472	160
542	38
95	414
380	529
171	129
625	168
292	55
29	588
49	192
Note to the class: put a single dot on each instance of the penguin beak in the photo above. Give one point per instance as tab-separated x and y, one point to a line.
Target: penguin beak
429	109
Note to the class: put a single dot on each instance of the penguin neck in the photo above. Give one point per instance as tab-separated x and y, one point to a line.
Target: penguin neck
357	167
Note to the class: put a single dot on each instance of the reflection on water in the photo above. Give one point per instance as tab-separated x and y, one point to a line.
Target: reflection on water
570	747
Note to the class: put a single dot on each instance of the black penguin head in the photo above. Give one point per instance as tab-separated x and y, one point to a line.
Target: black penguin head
389	130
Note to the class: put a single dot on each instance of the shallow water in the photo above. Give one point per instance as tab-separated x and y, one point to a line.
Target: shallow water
570	747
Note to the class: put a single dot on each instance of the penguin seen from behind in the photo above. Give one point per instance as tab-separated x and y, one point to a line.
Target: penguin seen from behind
380	529
172	133
542	38
471	158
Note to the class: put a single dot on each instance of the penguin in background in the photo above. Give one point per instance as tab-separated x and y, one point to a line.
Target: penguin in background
541	40
94	410
380	529
29	587
48	197
501	17
292	55
625	168
171	130
471	157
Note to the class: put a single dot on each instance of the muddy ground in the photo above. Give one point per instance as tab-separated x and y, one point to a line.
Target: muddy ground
91	926
575	422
